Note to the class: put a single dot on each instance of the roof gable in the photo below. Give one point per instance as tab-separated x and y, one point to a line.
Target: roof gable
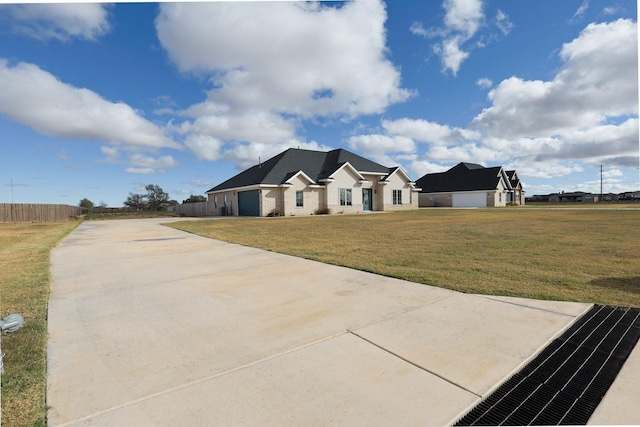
349	166
398	170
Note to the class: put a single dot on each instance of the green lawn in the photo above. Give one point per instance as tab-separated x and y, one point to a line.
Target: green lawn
573	255
24	288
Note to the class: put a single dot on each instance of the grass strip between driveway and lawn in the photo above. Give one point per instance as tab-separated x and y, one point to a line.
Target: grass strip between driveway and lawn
583	255
24	288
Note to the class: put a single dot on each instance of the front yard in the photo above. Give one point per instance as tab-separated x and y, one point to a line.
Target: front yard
572	255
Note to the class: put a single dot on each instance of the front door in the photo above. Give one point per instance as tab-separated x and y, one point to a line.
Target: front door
367	199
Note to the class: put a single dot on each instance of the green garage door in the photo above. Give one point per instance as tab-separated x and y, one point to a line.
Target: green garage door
249	203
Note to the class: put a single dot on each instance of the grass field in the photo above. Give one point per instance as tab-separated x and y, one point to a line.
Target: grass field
572	255
24	288
565	254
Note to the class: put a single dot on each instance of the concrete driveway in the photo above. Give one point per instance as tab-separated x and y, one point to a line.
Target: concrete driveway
153	326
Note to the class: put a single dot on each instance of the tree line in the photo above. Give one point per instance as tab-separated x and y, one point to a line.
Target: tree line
154	199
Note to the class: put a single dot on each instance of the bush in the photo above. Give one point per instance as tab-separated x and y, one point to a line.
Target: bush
322	211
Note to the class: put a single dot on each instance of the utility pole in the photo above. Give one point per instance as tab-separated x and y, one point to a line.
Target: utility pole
600	183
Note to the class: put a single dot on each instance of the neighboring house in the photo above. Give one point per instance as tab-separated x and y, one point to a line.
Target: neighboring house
630	195
306	182
575	197
470	185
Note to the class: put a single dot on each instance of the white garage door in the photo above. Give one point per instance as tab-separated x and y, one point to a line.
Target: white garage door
469	200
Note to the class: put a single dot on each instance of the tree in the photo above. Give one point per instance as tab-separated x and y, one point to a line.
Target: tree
195	199
156	197
85	203
136	201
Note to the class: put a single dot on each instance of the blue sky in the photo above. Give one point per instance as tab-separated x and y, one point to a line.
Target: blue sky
98	100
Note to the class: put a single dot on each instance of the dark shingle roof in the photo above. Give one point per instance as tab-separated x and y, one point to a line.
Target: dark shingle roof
316	164
513	178
461	177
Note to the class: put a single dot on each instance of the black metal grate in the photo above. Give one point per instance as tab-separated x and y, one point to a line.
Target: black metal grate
565	383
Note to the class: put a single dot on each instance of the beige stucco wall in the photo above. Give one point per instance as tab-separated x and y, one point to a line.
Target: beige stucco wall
409	197
216	201
344	178
312	198
271	201
497	198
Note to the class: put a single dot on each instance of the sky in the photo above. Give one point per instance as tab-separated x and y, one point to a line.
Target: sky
98	100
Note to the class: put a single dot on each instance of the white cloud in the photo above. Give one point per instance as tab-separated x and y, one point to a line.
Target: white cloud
112	154
205	147
586	115
545	169
445	143
484	83
418	29
146	165
36	98
597	81
142	161
58	21
381	147
430	132
463	16
596	143
248	154
474	153
140	171
421	167
610	10
199	183
273	65
452	55
462	20
246	124
503	22
581	10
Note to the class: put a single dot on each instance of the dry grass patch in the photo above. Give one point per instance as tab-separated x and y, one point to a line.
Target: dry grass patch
24	288
571	255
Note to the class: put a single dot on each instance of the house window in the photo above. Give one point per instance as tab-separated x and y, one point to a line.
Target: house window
299	199
215	201
345	197
397	197
225	200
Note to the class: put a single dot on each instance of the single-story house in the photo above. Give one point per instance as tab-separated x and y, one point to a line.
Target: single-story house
306	182
470	185
574	197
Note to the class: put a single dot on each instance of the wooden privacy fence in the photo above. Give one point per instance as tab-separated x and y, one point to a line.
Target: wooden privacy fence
27	212
193	209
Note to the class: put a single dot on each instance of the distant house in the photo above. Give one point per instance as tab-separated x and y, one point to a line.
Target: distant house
470	185
630	195
305	182
574	197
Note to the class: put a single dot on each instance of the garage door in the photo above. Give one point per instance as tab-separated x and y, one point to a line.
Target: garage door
469	200
249	203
